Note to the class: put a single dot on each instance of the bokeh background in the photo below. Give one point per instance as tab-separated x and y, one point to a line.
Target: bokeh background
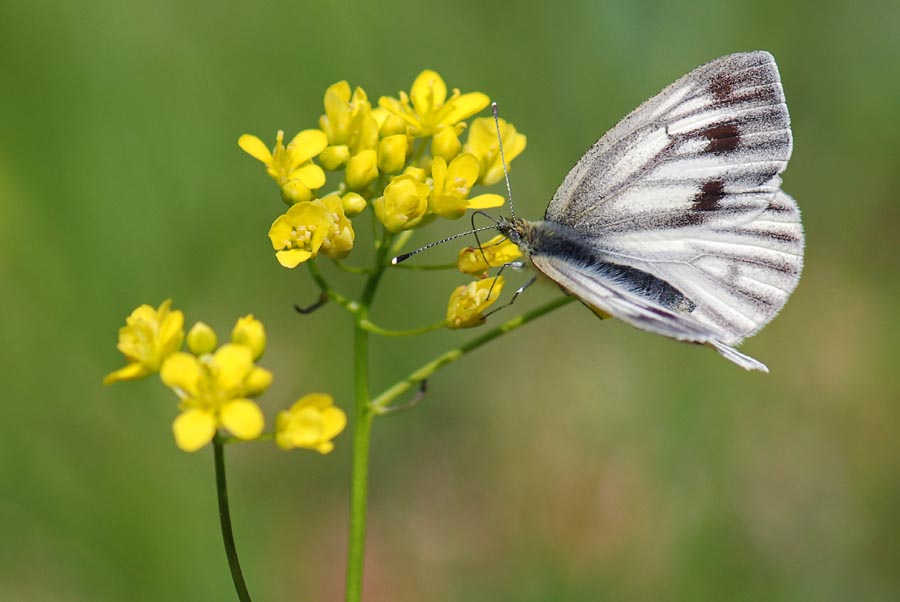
572	460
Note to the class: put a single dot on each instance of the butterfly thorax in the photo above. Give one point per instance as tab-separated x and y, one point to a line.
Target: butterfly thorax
545	238
530	237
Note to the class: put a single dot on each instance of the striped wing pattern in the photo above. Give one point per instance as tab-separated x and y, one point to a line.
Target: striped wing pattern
685	191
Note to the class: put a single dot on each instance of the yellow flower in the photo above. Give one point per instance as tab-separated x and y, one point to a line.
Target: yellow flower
251	333
348	122
291	167
452	184
497	251
213	390
403	205
148	337
468	302
298	234
427	110
312	422
362	169
339	238
201	339
483	144
392	153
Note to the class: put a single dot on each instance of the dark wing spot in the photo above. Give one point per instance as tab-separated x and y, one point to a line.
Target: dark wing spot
722	138
721	86
709	196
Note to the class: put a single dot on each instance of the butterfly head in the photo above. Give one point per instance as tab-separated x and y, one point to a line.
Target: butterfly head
519	231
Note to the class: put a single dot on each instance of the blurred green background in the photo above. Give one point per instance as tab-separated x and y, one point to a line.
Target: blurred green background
572	460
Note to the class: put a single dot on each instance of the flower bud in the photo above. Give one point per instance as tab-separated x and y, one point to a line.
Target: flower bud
257	381
494	253
416	173
445	144
392	153
392	125
362	169
354	204
334	157
294	191
249	331
201	339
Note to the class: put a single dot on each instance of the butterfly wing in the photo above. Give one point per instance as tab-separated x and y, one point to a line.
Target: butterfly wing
686	190
631	297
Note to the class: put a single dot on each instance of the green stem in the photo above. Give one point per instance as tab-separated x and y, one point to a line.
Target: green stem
375	329
348	304
380	403
362	429
352	269
225	521
428	268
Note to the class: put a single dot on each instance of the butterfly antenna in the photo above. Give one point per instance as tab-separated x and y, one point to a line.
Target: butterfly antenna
405	256
496	113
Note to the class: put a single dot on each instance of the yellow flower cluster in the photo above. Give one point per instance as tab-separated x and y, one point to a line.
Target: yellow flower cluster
216	385
403	157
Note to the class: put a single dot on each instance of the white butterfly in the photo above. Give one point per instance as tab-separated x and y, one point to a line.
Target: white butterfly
675	221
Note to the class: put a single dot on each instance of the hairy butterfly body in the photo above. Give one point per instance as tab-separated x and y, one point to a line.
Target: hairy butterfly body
675	221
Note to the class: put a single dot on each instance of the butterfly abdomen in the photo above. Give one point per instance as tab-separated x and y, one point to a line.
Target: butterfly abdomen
550	239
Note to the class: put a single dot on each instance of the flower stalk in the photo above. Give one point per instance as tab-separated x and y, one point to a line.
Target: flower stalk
234	565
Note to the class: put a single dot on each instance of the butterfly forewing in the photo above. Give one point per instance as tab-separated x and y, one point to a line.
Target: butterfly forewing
685	192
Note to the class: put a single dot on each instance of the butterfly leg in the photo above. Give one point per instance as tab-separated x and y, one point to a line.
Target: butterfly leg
514	297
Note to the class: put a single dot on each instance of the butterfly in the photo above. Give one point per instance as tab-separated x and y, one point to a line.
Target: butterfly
675	221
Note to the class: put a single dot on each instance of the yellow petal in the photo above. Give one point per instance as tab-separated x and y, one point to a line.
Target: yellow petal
428	91
171	334
486	201
438	173
182	371
306	145
282	433
242	418
193	429
292	257
256	148
333	422
462	173
337	96
318	401
311	175
233	362
394	106
129	372
448	205
465	106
